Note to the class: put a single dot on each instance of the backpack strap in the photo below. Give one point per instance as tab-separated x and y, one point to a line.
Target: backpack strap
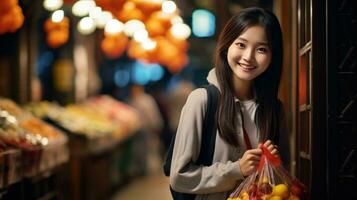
209	127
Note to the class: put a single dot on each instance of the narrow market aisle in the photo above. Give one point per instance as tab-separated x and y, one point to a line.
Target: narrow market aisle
153	186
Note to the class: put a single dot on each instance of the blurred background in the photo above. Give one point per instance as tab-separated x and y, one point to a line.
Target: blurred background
91	92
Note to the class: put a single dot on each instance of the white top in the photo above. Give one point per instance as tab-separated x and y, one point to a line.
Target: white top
248	108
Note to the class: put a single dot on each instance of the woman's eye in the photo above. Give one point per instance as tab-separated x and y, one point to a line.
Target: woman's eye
240	45
262	50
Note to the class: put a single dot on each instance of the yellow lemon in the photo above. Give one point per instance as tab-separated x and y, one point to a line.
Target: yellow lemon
276	198
281	190
245	195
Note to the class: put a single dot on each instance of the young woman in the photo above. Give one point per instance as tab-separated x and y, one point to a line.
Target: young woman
248	65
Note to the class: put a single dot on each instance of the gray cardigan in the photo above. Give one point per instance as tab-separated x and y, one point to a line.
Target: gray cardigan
209	182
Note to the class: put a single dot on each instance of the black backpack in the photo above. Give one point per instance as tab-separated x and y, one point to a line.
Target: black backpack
208	140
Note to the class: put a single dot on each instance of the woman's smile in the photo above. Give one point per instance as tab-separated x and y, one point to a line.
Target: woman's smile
247	67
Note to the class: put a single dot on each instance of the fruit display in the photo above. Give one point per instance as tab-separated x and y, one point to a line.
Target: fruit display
40	109
269	182
12	134
42	146
53	142
14	137
121	114
10	107
82	119
98	117
76	118
40	128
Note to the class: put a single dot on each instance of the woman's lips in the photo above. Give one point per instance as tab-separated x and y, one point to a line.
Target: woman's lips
246	68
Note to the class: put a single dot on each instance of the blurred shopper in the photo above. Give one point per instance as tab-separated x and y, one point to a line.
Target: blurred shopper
152	124
177	98
248	65
163	104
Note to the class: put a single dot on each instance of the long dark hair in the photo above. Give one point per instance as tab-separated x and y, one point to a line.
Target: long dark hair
266	85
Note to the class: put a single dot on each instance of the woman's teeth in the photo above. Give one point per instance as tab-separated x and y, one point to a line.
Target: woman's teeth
246	67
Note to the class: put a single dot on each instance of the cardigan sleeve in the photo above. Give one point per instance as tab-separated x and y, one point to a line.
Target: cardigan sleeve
185	175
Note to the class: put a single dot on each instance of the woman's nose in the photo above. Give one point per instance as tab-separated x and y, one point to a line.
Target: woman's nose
248	54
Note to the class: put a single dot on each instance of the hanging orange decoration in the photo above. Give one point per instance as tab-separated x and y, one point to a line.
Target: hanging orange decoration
166	51
179	43
154	27
62	25
148	6
6	5
129	12
169	51
136	51
18	18
104	4
178	63
163	18
112	6
68	1
57	38
57	32
5	23
114	46
152	55
11	17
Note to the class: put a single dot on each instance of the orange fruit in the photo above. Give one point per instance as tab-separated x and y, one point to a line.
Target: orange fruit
281	190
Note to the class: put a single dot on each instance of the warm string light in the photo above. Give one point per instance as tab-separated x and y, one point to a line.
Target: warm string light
52	5
154	25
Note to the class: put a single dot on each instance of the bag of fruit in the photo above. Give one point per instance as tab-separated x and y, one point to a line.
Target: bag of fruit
269	182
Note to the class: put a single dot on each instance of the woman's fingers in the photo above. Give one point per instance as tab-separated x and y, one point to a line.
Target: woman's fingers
268	143
255	151
271	147
275	152
254	157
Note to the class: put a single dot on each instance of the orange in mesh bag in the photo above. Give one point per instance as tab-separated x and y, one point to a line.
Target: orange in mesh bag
270	182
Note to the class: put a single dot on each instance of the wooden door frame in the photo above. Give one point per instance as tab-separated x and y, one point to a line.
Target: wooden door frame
320	180
319	137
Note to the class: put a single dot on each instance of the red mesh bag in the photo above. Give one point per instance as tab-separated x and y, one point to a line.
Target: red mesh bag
270	182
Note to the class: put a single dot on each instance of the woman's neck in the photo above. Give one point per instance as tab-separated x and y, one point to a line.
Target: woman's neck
243	90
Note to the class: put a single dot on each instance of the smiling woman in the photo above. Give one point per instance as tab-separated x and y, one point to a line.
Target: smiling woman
248	65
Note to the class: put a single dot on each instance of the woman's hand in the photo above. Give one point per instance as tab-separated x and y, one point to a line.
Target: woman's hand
250	160
271	147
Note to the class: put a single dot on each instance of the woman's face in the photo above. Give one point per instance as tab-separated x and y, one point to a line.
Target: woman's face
249	55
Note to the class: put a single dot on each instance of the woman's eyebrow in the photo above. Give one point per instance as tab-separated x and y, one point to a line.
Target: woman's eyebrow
240	38
259	43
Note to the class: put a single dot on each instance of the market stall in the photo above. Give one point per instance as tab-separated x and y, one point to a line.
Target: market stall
73	152
32	153
100	132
